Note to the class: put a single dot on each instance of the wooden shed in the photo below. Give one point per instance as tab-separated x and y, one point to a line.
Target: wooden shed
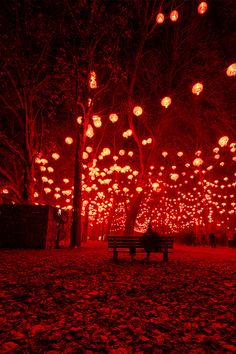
30	226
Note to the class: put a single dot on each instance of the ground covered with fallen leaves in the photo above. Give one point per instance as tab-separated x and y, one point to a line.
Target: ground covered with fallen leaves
79	301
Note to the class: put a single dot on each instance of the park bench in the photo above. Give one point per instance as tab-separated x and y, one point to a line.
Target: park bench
123	243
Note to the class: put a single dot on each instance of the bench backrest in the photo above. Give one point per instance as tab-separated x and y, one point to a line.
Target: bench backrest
137	241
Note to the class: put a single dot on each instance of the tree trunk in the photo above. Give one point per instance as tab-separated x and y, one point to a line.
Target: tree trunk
132	215
77	201
94	229
108	228
28	191
110	220
86	223
205	206
103	230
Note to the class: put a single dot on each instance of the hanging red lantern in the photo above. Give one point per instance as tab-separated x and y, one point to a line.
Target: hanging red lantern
113	117
223	141
160	18
202	8
137	111
166	101
198	161
55	156
231	70
174	15
197	88
97	121
68	140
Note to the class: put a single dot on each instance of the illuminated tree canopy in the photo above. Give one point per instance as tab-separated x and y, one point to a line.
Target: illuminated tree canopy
123	111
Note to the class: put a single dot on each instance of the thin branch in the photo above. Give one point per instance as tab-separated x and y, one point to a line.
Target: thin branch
11	109
9	145
41	56
5	174
14	190
15	87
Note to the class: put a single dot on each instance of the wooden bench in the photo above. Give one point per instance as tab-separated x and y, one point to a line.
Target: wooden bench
119	243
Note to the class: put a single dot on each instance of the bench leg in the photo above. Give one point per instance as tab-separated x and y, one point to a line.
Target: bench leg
165	256
147	256
115	254
132	252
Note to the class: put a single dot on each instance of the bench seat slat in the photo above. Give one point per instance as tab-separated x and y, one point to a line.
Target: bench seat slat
138	245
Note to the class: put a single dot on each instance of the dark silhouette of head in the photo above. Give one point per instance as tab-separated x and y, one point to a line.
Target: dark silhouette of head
149	229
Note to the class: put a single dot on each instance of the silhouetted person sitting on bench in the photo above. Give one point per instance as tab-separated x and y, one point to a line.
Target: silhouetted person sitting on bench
149	238
212	240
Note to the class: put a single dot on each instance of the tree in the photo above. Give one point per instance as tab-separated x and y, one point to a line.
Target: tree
26	99
91	44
